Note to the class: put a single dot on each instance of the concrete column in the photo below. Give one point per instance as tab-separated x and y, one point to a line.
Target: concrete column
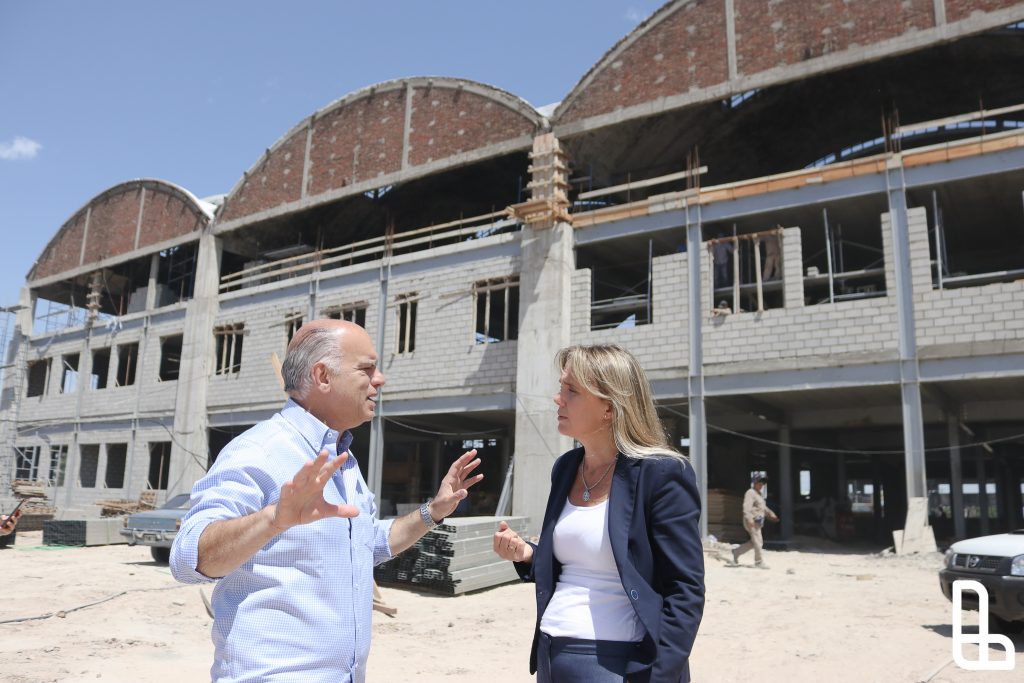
982	490
910	387
154	270
792	268
785	482
190	448
547	263
545	290
956	476
375	458
698	263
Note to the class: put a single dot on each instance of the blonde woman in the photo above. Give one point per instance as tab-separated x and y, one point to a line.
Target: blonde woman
619	566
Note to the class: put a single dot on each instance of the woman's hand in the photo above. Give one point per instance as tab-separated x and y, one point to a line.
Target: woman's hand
510	546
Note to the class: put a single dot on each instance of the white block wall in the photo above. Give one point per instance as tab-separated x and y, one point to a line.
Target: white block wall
661	344
446	360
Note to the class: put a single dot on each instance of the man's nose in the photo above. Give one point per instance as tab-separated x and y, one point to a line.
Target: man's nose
379	379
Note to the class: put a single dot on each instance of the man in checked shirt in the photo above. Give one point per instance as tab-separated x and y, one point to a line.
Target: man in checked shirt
286	526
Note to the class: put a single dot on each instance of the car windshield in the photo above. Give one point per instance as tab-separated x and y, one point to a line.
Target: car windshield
179	502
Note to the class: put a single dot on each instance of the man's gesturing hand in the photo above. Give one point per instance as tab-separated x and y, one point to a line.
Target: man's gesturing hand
302	498
454	487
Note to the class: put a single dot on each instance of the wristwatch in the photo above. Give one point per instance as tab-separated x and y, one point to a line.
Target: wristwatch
426	517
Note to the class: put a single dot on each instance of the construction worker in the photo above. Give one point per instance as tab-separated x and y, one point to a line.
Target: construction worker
754	512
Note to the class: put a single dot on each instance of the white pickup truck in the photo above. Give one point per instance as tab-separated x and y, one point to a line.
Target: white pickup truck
997	563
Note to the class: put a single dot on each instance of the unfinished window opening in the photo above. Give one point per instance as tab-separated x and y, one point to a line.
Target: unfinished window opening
229	348
89	456
170	357
26	462
292	323
354	313
219	437
117	456
38	376
746	267
58	464
159	465
176	274
100	369
621	272
127	358
842	257
975	230
406	341
69	373
497	310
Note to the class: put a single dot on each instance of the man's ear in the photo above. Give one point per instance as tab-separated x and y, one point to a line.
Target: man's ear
321	377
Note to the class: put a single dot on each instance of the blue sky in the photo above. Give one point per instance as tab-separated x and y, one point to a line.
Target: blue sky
96	93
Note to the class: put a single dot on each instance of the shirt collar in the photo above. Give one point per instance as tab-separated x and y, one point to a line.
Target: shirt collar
316	433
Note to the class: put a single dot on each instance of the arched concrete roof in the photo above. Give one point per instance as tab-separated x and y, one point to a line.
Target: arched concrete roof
376	136
122	219
690	51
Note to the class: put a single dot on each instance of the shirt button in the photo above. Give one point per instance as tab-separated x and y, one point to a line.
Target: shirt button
633	594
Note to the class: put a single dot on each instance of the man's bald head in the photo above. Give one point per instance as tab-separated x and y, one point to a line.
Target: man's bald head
318	341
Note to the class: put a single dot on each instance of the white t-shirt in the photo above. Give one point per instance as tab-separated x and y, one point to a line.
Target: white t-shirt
589	600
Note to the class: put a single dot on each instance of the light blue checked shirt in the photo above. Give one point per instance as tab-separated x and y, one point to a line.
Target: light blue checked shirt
301	608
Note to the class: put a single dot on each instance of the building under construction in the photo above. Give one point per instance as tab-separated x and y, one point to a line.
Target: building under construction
805	218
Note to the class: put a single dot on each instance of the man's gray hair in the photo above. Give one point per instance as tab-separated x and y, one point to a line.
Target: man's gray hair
319	345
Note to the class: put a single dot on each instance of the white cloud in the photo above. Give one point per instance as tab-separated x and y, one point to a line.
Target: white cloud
635	16
19	148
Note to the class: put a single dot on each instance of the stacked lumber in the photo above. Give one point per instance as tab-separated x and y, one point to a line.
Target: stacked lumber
454	558
27	488
116	508
725	515
123	506
37	508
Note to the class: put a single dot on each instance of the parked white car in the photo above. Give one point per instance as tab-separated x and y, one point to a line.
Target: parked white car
997	563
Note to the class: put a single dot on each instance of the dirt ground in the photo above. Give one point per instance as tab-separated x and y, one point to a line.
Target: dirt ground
814	616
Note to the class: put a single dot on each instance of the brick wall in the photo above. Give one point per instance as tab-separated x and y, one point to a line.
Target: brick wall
276	179
448	121
685	49
113	220
357	141
962	9
112	225
165	217
363	137
64	252
784	32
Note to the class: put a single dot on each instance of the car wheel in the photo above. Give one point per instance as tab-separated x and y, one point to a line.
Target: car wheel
997	625
161	555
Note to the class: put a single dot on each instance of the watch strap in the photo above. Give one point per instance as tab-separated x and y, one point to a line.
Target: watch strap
428	520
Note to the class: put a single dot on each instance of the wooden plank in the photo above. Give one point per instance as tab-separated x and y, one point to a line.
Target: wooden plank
648	182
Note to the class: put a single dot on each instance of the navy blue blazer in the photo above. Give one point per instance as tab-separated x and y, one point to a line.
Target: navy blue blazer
653	525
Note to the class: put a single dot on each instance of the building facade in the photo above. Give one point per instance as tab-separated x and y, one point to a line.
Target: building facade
806	219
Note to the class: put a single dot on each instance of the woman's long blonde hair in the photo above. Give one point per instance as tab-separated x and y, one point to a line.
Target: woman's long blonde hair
612	373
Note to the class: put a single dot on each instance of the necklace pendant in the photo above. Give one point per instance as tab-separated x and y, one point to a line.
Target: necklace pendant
586	495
